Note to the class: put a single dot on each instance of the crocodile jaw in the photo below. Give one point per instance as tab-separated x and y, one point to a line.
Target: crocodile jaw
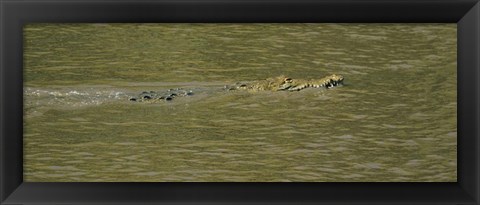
326	82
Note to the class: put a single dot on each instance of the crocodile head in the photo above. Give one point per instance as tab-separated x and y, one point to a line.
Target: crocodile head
330	81
288	84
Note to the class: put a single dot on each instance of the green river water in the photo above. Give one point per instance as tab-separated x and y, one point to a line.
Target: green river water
395	118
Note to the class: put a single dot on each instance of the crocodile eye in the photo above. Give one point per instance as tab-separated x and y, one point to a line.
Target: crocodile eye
288	80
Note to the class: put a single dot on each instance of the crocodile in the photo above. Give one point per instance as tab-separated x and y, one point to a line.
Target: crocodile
280	83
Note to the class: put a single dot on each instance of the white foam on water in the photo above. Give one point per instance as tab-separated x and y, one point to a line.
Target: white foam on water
39	100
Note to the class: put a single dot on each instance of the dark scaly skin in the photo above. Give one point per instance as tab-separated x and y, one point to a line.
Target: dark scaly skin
152	96
280	83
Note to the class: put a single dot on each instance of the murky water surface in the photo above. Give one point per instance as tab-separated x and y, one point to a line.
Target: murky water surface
393	120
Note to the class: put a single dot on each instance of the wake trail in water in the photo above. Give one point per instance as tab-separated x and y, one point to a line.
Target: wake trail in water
36	98
72	97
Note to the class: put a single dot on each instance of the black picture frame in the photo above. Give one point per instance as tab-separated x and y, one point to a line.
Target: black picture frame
16	13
